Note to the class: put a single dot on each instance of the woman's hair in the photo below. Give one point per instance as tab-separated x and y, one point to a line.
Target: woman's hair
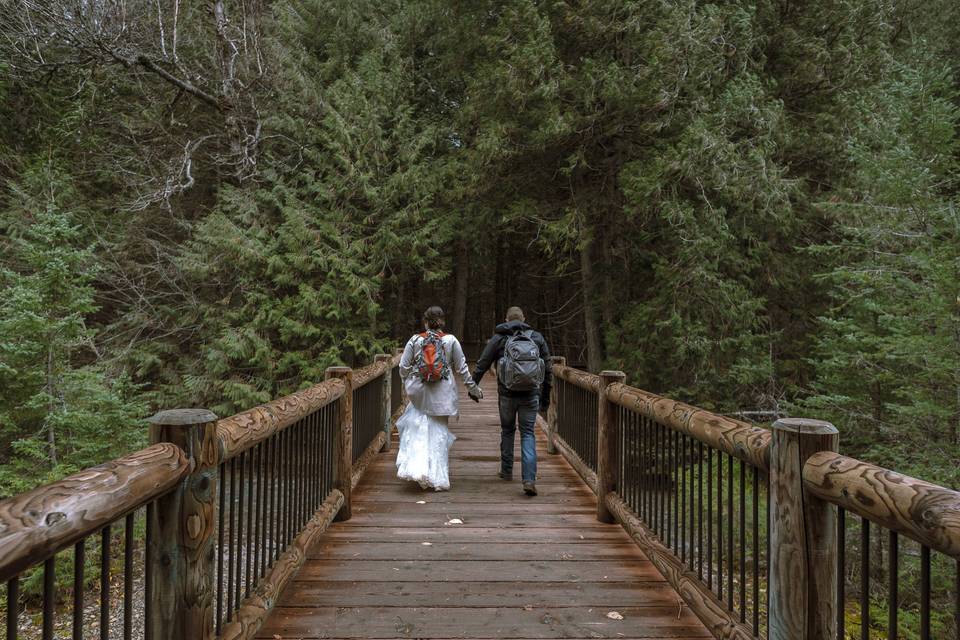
433	317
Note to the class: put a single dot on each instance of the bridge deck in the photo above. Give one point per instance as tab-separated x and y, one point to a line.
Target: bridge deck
517	567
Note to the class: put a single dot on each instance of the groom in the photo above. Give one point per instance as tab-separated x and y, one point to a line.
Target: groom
523	388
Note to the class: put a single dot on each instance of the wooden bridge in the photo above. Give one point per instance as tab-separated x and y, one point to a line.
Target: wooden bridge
655	519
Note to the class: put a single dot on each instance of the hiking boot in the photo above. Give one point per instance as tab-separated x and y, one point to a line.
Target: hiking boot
505	476
529	488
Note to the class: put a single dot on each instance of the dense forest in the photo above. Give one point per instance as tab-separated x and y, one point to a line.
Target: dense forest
751	206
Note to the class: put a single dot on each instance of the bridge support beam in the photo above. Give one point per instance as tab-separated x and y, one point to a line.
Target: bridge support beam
803	536
387	384
183	524
343	441
552	411
608	440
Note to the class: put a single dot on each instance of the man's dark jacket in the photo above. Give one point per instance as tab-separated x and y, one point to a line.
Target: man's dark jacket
494	351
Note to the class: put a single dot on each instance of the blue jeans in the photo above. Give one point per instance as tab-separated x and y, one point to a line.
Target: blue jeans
523	410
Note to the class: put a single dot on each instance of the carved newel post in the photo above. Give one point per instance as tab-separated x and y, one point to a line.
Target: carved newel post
343	441
183	525
803	536
385	398
553	409
608	440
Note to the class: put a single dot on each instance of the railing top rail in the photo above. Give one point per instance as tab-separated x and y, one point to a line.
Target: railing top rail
582	379
922	511
739	439
370	372
735	437
36	524
239	432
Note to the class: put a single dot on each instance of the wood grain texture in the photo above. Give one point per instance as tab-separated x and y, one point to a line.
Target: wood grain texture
184	522
248	428
739	439
803	544
360	466
582	379
922	511
343	440
369	373
36	524
607	444
701	601
255	609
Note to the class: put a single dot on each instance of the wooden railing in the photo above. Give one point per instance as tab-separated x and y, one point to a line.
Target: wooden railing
217	514
743	521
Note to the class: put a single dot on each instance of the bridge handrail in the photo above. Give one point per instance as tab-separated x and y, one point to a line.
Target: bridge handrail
231	507
922	511
39	523
740	439
248	428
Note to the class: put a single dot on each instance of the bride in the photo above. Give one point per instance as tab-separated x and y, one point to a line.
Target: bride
426	368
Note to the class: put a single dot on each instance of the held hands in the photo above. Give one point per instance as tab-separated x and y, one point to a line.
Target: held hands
475	393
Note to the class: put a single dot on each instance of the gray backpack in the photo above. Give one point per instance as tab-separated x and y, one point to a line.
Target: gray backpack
521	368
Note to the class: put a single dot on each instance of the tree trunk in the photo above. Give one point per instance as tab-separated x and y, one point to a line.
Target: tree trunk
591	323
461	280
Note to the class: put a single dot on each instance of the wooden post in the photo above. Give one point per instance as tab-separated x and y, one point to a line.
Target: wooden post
552	410
803	536
343	446
183	526
608	440
387	384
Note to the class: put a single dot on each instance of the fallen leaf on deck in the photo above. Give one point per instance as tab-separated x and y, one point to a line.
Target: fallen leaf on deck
614	615
427	544
421	502
528	607
454	521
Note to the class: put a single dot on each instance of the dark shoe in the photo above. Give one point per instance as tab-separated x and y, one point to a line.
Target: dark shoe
529	488
505	476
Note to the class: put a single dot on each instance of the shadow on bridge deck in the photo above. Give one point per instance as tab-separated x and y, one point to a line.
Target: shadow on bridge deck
517	567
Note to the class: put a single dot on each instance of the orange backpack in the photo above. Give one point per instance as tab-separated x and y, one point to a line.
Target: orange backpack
431	361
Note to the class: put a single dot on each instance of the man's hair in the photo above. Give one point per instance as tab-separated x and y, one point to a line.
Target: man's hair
433	317
515	313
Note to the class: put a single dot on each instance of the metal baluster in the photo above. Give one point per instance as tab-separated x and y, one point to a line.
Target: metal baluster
128	577
841	571
676	489
710	518
79	562
261	513
238	558
720	525
743	542
700	511
232	560
222	499
756	551
730	516
924	592
49	596
105	583
864	579
683	499
13	607
148	572
893	571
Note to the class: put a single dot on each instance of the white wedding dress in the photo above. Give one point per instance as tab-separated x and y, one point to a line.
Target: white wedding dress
425	440
425	444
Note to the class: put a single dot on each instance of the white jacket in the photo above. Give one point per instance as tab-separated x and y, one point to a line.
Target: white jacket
434	398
